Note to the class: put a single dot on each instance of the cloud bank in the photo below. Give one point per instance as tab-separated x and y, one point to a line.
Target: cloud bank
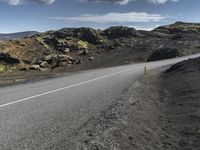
18	2
124	2
113	17
120	2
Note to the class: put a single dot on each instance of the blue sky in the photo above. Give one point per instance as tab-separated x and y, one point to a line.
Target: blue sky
43	15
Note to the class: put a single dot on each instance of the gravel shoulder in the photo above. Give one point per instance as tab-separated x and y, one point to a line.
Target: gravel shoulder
133	121
160	111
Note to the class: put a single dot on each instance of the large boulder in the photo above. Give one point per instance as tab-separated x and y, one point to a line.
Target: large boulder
86	34
8	59
89	35
119	31
164	53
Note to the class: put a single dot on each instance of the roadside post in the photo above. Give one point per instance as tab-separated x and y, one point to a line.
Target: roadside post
145	68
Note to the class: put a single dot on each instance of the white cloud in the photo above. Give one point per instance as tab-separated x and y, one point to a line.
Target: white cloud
120	2
123	2
147	28
18	2
14	2
113	17
161	1
45	1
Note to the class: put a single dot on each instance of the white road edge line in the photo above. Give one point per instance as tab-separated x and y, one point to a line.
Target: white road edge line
67	87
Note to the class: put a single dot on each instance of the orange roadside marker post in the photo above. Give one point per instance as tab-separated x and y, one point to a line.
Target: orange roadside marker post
145	68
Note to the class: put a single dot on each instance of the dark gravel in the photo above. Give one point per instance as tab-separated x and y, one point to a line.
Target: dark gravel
160	111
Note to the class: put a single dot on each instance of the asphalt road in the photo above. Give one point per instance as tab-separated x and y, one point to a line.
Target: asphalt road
39	115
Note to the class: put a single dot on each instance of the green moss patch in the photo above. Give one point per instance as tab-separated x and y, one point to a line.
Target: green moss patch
2	67
82	44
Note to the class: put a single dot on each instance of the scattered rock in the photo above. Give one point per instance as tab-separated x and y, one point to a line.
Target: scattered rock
43	69
70	58
64	64
65	58
44	64
24	69
35	67
117	44
78	61
83	52
91	58
111	47
47	57
66	50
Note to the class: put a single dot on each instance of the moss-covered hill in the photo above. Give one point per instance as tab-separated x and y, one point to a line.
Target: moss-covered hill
85	48
180	27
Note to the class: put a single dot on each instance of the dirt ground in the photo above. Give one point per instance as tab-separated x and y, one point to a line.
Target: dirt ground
108	59
182	108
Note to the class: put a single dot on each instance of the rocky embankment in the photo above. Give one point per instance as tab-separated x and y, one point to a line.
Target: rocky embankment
182	81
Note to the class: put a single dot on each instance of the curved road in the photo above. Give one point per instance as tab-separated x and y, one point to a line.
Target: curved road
38	115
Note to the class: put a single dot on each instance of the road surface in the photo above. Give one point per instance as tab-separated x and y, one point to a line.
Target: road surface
38	115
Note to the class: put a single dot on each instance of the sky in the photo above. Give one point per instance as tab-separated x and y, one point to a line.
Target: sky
44	15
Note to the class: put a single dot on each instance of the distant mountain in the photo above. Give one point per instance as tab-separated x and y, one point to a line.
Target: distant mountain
18	35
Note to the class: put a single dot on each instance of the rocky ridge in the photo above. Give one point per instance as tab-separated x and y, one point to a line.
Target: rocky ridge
86	48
